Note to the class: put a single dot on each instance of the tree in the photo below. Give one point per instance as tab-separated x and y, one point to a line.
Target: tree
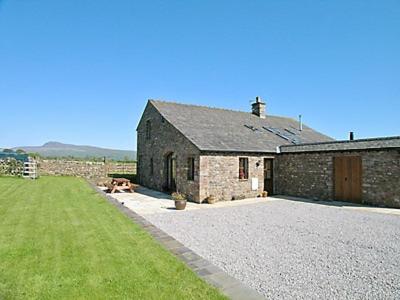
20	151
8	151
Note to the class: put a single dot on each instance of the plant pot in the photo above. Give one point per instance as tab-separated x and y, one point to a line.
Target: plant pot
180	204
264	194
211	200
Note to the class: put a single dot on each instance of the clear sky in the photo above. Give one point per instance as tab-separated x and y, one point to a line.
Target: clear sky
81	71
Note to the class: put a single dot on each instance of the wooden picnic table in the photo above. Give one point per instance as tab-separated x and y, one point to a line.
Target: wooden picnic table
120	184
120	181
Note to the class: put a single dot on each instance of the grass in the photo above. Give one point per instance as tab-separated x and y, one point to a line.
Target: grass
61	240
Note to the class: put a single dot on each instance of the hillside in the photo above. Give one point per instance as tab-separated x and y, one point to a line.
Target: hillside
56	149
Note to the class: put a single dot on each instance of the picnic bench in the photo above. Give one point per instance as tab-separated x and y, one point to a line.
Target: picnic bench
121	184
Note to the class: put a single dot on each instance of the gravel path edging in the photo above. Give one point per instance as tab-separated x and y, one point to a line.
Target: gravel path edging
228	285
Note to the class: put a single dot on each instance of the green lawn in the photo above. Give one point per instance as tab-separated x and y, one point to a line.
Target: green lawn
59	239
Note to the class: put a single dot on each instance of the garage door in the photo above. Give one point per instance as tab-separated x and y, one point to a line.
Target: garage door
348	178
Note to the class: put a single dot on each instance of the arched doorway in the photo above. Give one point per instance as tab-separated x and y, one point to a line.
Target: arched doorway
170	165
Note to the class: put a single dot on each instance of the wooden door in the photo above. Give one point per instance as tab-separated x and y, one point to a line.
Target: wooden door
171	172
348	178
269	176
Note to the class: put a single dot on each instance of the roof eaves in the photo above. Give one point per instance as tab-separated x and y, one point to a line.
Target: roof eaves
345	141
237	151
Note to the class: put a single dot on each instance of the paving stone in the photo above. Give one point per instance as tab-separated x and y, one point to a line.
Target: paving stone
202	272
181	250
189	256
172	244
199	264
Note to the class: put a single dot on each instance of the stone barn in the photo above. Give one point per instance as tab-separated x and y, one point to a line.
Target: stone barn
203	151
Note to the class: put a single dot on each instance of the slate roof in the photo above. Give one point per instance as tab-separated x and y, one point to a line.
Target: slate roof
214	129
361	144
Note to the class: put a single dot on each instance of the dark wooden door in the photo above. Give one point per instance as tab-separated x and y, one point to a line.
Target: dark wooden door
171	172
348	178
269	175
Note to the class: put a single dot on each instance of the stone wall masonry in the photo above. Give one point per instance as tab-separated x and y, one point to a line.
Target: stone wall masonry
219	175
311	175
86	169
165	139
305	175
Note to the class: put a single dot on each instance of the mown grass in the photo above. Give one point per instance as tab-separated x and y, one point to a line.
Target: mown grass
61	240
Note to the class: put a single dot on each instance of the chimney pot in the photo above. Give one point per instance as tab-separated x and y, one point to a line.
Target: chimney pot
351	136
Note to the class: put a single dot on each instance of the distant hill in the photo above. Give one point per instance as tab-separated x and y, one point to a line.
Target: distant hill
56	149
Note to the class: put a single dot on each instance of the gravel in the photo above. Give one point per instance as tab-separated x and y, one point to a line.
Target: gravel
295	250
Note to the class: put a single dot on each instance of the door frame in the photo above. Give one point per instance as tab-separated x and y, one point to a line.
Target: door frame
170	164
347	178
271	185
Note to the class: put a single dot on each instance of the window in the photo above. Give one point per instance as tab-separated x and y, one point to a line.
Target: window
148	129
243	168
190	174
151	166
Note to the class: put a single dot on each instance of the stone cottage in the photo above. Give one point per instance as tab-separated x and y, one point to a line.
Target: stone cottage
202	151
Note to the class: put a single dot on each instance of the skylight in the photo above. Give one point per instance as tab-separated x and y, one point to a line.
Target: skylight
251	127
285	134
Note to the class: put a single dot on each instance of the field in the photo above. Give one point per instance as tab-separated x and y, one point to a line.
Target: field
59	239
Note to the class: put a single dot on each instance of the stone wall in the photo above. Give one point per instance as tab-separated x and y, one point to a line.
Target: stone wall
87	169
11	166
219	175
305	175
311	175
164	140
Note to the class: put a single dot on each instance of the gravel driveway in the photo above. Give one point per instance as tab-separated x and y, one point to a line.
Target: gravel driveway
289	249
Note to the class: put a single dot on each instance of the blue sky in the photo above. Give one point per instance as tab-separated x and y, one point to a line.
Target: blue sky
81	71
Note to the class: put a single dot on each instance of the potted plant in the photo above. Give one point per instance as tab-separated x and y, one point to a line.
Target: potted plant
180	200
264	194
211	199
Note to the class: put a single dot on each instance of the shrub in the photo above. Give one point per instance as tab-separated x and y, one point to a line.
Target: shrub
178	196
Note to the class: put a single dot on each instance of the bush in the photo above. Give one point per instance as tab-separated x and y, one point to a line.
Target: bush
178	196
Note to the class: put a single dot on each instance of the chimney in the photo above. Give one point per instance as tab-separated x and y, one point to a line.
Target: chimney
258	108
351	136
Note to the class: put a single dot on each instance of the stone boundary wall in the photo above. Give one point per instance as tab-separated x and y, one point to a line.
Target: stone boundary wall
11	167
311	175
86	169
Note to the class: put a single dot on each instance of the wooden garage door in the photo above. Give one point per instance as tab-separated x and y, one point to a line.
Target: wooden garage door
348	178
